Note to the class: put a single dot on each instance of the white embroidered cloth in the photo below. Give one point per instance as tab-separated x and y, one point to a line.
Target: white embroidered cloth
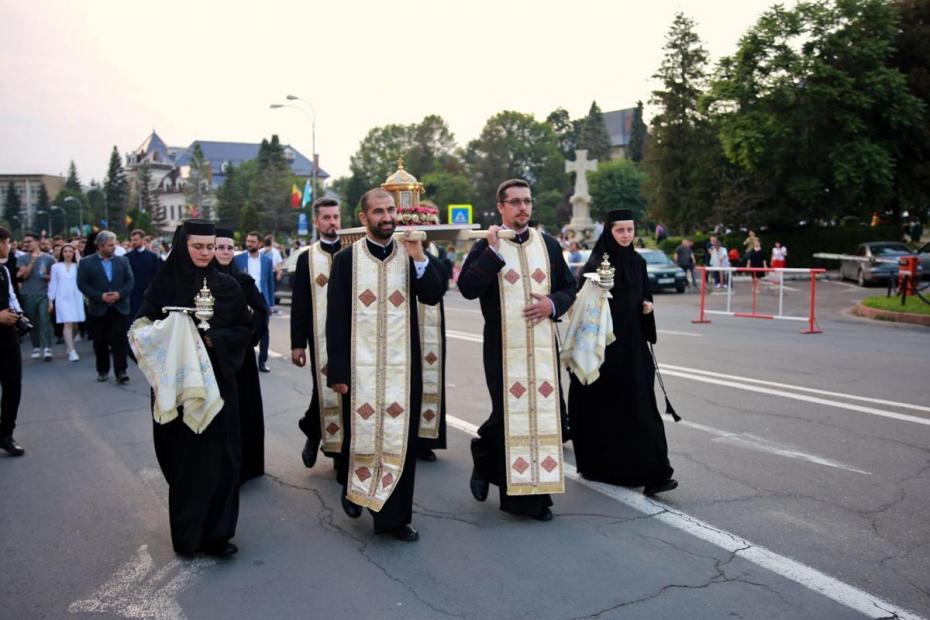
590	330
174	360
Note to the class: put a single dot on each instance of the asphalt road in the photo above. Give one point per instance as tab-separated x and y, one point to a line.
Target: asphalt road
804	463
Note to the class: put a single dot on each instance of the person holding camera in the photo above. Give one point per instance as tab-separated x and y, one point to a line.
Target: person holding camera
11	366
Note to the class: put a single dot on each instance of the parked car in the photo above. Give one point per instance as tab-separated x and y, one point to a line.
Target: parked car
283	289
923	258
662	272
875	269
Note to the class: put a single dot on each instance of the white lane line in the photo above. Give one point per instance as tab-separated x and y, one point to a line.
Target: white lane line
674	333
809	399
133	592
879	401
809	577
471	310
759	444
696	374
275	355
838	283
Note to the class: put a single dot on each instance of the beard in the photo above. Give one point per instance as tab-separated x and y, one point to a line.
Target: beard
382	231
329	234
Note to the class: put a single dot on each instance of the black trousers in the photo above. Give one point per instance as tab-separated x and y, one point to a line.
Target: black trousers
109	335
11	382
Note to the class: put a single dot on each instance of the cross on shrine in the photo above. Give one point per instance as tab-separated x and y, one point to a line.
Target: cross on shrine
581	166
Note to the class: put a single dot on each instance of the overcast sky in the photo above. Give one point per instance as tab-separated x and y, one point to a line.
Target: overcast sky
78	77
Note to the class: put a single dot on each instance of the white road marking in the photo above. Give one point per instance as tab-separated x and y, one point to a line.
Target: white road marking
847	285
890	403
451	333
759	444
280	315
674	333
834	589
133	592
276	355
471	310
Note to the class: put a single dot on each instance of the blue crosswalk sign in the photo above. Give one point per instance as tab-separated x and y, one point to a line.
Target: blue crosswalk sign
460	214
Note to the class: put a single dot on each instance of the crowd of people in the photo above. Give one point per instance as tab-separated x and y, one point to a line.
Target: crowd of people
368	319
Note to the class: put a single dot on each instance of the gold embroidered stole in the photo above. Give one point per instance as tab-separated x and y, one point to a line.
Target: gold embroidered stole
430	323
532	423
330	402
380	390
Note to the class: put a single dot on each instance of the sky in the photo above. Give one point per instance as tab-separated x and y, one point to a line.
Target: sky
80	76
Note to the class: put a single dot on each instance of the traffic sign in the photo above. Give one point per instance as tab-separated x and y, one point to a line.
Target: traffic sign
460	214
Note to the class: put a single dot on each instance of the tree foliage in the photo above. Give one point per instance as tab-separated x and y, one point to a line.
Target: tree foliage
115	190
270	189
616	185
198	184
73	182
638	132
593	136
12	206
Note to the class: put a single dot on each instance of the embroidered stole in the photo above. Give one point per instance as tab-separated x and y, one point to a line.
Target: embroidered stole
330	402
532	417
380	389
430	322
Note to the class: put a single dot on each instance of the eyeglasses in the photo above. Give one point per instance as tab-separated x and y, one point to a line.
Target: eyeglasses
516	202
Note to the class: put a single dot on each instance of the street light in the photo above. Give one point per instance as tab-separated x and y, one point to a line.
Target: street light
275	106
48	213
64	219
80	211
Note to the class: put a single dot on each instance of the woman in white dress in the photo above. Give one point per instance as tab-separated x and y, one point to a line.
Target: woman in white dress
65	298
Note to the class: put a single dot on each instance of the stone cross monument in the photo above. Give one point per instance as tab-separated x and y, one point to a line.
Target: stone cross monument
581	229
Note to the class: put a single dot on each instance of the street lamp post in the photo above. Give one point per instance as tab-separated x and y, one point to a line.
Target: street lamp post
64	219
80	206
275	106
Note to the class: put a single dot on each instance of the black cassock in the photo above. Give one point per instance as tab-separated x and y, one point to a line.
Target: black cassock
202	470
302	336
618	435
478	278
429	289
251	408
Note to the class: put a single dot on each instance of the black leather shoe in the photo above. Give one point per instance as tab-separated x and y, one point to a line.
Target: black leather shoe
222	549
479	487
353	510
427	455
264	368
310	452
407	534
545	515
122	379
9	445
101	378
660	487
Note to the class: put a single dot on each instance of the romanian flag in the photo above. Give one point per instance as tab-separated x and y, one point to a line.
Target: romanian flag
308	195
295	197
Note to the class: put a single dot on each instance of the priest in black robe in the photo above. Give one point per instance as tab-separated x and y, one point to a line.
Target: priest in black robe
202	469
428	285
251	408
617	433
479	279
326	219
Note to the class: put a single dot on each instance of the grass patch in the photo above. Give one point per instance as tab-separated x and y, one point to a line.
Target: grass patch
914	305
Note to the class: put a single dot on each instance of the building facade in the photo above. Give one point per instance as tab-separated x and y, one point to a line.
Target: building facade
28	187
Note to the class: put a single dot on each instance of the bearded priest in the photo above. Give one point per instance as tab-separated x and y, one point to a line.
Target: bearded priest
373	346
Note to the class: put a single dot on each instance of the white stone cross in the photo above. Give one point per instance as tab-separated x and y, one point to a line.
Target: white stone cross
581	166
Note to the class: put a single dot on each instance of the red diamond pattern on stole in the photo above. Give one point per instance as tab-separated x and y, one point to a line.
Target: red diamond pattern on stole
386	480
363	473
321	280
395	410
366	411
396	298
517	390
431	358
539	275
520	465
429	414
549	464
545	389
332	429
367	297
512	276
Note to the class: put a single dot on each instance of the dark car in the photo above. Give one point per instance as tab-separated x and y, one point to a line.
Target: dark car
923	258
876	262
662	272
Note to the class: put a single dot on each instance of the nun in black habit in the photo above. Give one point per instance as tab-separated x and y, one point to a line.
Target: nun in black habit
618	435
251	410
202	470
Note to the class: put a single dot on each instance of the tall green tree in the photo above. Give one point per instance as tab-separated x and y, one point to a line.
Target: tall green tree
445	188
809	108
566	131
912	58
638	130
593	134
680	183
12	207
73	182
115	190
513	145
270	189
249	220
198	189
234	193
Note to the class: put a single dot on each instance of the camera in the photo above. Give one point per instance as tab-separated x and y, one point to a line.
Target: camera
22	325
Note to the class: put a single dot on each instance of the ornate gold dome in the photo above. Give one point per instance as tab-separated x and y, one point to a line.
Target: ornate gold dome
402	180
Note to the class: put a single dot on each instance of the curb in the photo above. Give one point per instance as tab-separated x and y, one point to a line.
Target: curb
888	315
